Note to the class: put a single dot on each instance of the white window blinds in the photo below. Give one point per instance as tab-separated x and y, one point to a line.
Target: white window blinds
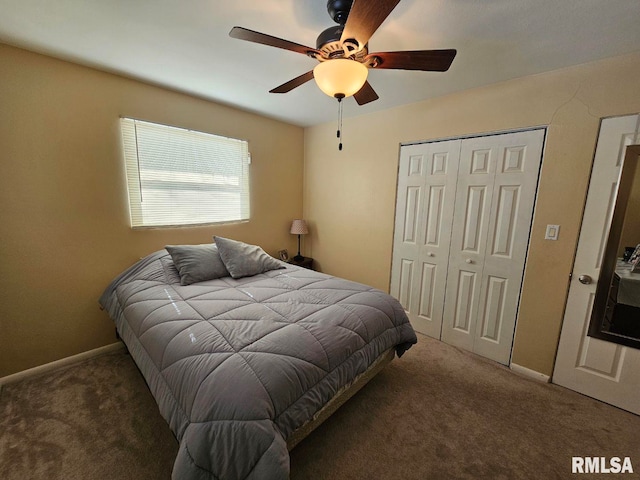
182	177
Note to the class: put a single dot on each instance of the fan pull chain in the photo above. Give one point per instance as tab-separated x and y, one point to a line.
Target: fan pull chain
339	133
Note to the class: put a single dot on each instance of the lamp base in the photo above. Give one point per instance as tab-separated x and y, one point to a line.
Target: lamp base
298	258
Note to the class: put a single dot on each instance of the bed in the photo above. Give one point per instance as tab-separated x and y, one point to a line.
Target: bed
245	357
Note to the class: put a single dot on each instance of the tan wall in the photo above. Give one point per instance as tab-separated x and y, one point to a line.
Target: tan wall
64	231
349	196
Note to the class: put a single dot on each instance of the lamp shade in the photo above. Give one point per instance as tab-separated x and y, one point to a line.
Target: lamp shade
340	77
299	227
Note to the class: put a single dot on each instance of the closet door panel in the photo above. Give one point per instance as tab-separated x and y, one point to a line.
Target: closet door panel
497	182
474	212
470	223
412	202
464	311
408	224
519	156
426	185
433	224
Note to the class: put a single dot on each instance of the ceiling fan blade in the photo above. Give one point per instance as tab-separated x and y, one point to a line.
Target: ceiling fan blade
257	37
364	19
366	94
425	60
291	84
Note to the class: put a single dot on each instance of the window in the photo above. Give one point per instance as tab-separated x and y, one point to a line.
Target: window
182	177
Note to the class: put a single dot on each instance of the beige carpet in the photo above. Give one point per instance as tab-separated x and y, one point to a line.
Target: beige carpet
437	413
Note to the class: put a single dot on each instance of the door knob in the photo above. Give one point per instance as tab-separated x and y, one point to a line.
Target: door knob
430	254
469	261
585	279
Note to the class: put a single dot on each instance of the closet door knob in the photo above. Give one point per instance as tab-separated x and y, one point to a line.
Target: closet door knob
430	254
469	261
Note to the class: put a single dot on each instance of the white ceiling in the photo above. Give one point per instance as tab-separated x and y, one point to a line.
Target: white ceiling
185	45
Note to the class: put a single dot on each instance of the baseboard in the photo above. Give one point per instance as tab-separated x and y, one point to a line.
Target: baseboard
527	372
63	362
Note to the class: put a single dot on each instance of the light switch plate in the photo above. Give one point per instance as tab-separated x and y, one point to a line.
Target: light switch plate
552	233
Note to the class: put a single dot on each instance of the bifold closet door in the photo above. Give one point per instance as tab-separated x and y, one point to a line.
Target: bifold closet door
495	195
427	178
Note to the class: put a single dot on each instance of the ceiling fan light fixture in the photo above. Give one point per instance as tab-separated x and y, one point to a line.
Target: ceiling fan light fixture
340	77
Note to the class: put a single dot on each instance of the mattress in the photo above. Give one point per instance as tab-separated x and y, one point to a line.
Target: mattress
239	367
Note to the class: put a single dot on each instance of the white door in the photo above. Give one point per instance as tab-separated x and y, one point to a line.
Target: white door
463	217
426	192
600	369
497	182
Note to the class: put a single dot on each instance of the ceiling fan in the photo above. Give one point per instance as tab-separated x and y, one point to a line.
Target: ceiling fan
343	52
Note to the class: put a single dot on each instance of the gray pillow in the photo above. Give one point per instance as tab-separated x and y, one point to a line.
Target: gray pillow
197	263
244	260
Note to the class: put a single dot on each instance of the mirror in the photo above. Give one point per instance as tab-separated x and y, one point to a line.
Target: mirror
616	308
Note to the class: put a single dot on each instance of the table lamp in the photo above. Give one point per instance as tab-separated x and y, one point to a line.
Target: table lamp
299	227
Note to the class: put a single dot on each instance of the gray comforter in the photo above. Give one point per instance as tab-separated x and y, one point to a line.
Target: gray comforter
237	365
